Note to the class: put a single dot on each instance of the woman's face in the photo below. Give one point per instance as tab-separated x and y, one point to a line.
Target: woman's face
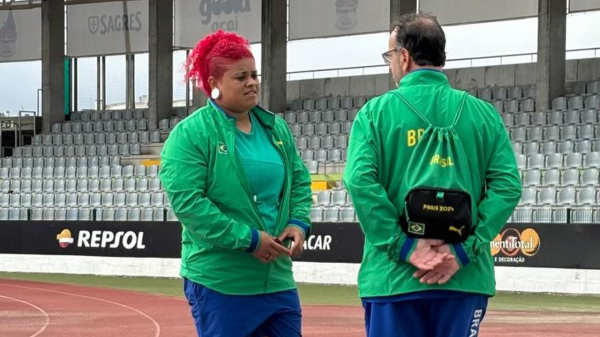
239	86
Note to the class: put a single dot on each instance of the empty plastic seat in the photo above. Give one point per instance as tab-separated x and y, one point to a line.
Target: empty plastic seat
82	185
106	126
518	134
551	178
542	215
18	152
126	171
590	177
141	184
48	185
316	214
314	116
118	184
346	127
575	102
290	117
586	131
152	171
334	155
314	142
144	137
154	184
60	185
553	160
555	118
124	149
587	196
131	199
566	196
331	214
582	215
135	149
157	199
347	214
528	148
339	197
26	173
570	177
107	199
521	161
559	103
130	184
38	151
485	93
565	147
568	132
583	146
547	196
499	106
592	102
573	160
130	125
308	155
535	133
81	172
106	214
592	159
528	196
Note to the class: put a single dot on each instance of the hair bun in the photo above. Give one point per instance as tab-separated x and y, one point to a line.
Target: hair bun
218	44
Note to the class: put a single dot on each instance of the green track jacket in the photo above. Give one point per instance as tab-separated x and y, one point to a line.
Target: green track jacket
382	138
208	190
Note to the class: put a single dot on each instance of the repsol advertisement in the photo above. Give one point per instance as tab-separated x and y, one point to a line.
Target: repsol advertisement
122	239
519	245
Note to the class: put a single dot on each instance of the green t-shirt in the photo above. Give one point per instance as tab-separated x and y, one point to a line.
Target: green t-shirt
264	168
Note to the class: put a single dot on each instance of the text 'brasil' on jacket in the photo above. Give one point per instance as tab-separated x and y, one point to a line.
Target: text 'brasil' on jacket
209	192
382	139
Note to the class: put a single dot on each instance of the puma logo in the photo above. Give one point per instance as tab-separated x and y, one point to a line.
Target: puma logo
456	230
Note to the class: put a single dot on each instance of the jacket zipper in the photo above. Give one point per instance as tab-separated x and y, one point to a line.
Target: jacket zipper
242	174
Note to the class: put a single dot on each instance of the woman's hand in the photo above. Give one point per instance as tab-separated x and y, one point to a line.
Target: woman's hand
269	249
296	235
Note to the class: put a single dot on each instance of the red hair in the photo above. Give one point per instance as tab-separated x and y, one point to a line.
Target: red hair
212	54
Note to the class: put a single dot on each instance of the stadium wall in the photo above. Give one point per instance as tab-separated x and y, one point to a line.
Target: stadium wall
554	258
463	78
519	279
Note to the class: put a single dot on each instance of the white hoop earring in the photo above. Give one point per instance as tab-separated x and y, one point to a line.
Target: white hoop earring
215	93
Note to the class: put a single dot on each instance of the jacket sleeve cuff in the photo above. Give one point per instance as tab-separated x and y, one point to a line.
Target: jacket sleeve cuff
407	249
461	254
303	226
254	243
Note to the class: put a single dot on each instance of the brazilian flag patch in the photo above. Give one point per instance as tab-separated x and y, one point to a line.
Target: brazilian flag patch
416	228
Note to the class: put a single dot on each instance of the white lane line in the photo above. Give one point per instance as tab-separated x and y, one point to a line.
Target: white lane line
155	323
46	317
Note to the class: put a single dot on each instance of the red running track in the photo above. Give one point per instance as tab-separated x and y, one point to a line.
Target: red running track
31	309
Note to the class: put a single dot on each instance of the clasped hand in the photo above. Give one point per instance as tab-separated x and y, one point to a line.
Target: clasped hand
271	248
434	260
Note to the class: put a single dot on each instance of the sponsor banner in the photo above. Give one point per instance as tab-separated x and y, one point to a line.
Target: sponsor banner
91	238
334	242
328	18
107	28
470	11
194	19
519	245
20	35
583	5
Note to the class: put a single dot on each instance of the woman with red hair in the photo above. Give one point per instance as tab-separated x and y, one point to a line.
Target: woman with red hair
239	188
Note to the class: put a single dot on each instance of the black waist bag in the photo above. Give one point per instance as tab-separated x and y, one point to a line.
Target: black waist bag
437	214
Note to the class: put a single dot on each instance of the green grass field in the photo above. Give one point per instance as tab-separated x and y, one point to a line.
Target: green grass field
316	294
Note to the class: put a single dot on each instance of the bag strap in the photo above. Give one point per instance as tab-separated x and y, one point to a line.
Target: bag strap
459	110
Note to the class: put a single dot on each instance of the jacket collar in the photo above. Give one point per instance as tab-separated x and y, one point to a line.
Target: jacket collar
265	117
424	76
